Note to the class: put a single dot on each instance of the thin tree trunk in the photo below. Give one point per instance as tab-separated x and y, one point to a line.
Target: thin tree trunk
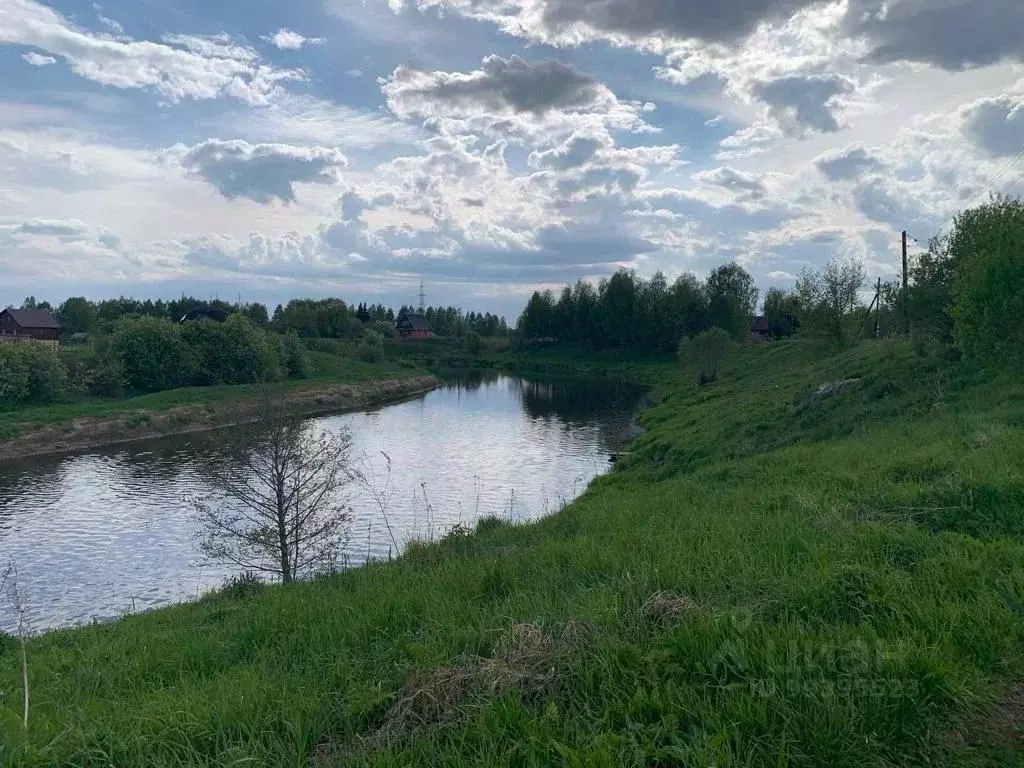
282	531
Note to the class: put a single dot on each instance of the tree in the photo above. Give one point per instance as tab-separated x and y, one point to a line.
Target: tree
731	299
283	511
706	349
828	299
76	315
781	309
473	343
153	354
987	251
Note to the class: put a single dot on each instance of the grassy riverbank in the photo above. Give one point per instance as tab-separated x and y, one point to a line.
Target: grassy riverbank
767	579
190	405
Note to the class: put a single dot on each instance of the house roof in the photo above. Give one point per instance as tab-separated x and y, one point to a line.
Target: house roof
412	322
33	318
761	325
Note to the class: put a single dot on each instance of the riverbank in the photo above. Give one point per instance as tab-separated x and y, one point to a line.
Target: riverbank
816	560
163	415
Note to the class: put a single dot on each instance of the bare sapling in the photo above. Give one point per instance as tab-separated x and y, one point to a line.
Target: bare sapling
279	507
11	589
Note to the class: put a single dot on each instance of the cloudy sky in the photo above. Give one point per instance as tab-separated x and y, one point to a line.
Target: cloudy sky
347	147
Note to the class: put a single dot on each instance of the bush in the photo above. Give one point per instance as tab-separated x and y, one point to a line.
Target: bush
152	353
473	343
383	328
989	282
706	350
30	373
371	348
232	352
295	362
106	380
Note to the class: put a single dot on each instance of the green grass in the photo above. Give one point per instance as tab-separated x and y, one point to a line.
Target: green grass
327	368
844	586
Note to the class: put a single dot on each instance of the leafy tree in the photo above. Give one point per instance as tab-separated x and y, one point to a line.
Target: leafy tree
473	343
294	358
986	248
828	299
76	315
781	310
731	299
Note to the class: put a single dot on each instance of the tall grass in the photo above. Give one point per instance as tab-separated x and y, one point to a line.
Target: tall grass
758	583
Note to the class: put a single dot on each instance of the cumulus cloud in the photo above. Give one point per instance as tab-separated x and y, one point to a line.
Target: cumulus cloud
260	172
847	164
181	67
744	185
575	152
38	60
290	40
995	125
804	102
62	228
952	34
500	86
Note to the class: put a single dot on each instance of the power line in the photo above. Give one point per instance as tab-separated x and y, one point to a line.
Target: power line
992	182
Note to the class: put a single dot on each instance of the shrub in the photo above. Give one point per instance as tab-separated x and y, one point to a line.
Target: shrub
989	282
152	353
383	328
30	373
295	362
473	343
107	379
371	348
233	352
706	350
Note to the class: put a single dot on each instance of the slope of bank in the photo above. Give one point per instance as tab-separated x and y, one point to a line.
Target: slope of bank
813	561
76	427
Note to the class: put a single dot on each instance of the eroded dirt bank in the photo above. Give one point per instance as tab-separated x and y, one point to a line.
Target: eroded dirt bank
133	425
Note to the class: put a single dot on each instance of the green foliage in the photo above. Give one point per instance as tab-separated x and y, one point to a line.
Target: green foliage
473	343
107	379
294	358
76	315
30	373
705	350
643	315
371	347
233	352
781	310
383	328
153	354
986	249
828	301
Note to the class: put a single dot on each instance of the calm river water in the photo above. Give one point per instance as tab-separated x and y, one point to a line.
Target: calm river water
100	534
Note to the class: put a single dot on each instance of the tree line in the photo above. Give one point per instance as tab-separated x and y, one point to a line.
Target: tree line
965	294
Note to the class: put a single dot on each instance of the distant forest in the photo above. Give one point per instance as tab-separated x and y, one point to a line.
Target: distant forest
309	318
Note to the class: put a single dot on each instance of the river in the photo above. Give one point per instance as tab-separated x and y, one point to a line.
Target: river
108	532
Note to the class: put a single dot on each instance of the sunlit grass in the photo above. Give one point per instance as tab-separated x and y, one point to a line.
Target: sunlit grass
851	575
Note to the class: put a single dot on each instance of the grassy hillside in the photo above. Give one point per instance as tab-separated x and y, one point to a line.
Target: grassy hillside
767	580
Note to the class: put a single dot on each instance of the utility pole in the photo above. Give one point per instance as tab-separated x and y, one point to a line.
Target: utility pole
878	310
423	298
906	304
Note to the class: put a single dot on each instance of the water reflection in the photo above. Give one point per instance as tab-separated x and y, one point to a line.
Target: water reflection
102	533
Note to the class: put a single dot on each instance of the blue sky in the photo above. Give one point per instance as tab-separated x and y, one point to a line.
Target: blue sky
349	147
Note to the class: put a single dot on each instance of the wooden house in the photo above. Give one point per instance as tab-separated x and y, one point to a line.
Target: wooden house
413	326
29	324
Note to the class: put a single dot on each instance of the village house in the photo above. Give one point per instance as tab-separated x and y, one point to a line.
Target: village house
412	326
25	324
760	330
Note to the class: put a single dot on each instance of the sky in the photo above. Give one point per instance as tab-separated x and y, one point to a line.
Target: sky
270	150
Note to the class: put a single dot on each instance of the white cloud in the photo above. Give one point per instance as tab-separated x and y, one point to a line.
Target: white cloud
290	40
995	125
183	67
38	60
